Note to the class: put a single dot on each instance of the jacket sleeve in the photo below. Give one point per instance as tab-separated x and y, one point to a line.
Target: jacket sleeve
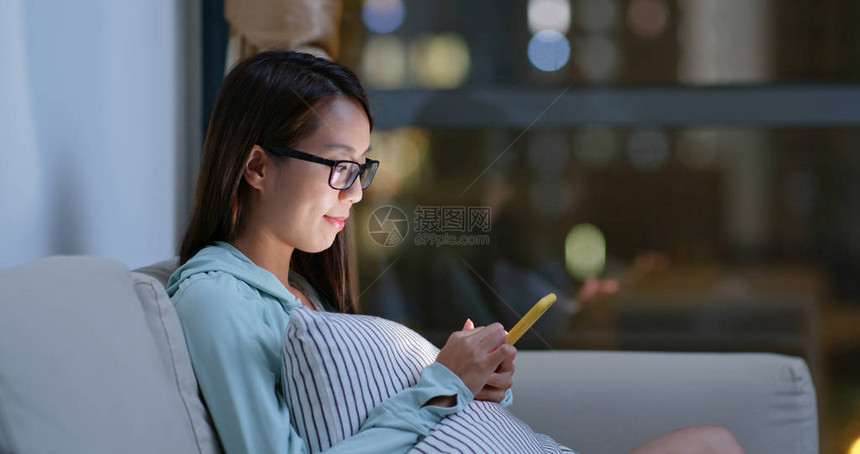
225	338
508	400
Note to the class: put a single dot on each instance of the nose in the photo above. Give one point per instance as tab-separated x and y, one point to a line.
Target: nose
353	193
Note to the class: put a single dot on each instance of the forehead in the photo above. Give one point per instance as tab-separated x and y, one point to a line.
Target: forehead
342	128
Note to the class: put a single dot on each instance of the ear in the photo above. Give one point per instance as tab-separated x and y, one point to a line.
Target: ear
257	167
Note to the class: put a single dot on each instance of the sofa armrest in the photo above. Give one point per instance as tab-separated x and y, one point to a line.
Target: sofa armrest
610	402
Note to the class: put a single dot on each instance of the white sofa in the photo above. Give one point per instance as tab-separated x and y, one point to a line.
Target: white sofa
92	360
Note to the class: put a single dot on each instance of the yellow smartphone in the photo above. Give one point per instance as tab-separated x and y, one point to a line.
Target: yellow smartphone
530	318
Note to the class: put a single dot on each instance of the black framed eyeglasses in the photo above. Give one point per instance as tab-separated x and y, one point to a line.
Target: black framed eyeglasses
343	173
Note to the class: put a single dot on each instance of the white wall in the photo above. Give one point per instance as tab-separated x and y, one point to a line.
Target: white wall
90	131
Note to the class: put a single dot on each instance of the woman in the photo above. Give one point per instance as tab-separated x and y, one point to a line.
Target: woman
283	161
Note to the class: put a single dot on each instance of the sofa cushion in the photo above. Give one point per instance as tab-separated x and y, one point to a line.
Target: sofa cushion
166	331
326	353
79	369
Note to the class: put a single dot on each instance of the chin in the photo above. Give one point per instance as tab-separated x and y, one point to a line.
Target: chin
317	246
316	250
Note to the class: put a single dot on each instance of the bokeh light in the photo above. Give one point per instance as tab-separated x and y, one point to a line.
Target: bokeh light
698	149
549	15
647	149
596	147
402	151
647	18
596	15
722	42
383	16
439	61
585	251
855	447
597	57
548	50
384	62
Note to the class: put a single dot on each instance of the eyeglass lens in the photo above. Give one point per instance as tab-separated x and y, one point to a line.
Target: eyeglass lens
344	173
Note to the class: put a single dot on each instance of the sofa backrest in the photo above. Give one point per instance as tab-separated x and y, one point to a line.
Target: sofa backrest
610	402
160	271
92	359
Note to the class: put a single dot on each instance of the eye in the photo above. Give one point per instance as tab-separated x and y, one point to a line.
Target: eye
342	167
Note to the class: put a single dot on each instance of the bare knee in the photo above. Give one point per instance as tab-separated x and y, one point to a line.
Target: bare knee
704	439
717	439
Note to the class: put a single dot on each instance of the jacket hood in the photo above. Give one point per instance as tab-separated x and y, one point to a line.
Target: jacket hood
223	256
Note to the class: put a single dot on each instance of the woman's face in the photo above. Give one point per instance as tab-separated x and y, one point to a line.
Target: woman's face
298	205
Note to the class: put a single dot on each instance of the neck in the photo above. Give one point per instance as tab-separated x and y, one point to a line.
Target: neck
266	251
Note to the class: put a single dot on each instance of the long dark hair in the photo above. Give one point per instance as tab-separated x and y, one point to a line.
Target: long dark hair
268	98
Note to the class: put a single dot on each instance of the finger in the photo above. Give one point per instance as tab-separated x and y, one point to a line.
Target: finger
505	351
507	365
491	328
472	332
490	395
492	336
507	357
500	381
469	324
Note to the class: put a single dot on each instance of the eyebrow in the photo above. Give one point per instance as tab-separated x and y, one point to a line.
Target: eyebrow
343	146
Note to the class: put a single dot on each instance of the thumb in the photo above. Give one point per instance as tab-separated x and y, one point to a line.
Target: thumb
469	324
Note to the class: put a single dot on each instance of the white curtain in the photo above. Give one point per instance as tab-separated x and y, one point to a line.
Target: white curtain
90	133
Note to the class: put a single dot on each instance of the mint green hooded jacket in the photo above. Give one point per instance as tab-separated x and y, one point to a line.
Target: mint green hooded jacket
234	314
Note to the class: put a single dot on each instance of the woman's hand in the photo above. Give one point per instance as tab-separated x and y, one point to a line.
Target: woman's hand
500	380
476	354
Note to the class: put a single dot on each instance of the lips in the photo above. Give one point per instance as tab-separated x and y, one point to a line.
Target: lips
337	221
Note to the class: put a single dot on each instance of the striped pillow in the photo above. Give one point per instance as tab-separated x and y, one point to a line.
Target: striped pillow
337	367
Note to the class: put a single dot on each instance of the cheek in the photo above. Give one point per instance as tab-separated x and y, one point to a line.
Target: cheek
299	210
308	198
